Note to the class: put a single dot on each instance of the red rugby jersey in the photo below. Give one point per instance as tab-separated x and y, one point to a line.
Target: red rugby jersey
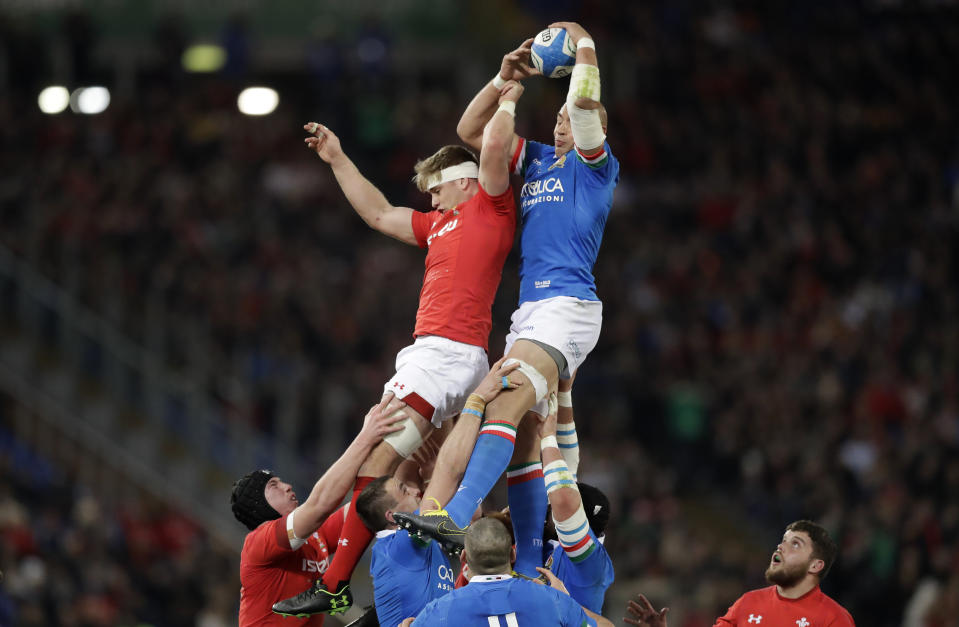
271	571
766	608
467	247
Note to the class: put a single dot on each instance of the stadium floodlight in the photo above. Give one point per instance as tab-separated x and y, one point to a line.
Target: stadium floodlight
257	101
203	58
53	99
90	100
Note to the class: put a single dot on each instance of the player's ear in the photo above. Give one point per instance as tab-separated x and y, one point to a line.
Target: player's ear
388	514
816	566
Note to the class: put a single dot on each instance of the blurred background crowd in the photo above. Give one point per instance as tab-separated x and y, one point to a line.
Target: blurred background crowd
780	279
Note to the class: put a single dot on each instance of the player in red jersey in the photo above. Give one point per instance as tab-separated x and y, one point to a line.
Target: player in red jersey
796	569
467	237
288	542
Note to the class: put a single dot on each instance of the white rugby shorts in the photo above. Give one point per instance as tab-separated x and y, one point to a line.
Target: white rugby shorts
441	372
568	324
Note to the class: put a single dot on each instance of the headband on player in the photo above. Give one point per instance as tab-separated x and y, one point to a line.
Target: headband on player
465	170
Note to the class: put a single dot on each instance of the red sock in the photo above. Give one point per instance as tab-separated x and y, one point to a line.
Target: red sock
354	538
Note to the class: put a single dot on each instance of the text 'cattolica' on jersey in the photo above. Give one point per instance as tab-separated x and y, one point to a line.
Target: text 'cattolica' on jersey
543	190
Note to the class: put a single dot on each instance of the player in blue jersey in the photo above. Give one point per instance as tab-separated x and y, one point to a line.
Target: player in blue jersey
564	202
409	572
494	597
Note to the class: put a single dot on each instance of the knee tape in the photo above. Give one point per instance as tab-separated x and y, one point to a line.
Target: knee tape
538	380
406	441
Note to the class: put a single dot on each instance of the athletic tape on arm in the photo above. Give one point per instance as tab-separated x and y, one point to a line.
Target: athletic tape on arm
585	124
406	441
295	542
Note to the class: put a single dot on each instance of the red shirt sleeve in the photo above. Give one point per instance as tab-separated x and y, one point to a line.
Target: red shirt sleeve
516	162
268	542
843	619
729	618
422	223
502	203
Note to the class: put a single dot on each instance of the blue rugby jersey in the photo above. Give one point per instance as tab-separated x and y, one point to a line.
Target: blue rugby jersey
564	204
407	575
505	602
586	569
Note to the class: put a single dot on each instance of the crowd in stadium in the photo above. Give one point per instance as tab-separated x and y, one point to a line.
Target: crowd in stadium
779	280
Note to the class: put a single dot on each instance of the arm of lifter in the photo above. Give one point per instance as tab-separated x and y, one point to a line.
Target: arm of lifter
368	201
515	67
328	492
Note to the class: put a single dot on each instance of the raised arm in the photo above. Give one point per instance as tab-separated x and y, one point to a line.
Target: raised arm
498	138
586	113
328	492
564	497
368	201
480	110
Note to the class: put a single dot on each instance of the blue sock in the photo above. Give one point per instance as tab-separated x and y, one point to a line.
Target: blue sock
493	450
527	508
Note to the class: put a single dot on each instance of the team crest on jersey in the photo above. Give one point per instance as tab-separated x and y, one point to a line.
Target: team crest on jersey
560	163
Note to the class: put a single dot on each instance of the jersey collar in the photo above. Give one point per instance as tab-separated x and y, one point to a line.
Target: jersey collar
485	578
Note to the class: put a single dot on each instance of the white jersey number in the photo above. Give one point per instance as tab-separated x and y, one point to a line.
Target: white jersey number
510	620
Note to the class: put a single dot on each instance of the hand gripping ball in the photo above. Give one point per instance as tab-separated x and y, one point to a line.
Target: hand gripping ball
554	53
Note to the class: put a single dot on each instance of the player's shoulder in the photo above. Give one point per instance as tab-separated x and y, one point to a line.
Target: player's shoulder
837	610
767	593
262	541
538	150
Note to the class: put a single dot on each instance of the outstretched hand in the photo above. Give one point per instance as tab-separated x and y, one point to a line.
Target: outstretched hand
516	64
642	613
492	384
323	141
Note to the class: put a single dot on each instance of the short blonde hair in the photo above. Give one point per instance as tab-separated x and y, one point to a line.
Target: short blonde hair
445	157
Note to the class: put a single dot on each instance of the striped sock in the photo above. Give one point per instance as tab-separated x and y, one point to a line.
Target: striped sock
493	450
568	445
527	508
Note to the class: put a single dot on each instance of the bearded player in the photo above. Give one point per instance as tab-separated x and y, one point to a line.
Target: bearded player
796	568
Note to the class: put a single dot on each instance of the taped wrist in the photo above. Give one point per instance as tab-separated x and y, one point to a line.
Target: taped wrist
475	405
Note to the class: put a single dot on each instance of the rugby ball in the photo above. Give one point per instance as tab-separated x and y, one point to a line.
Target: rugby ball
553	53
